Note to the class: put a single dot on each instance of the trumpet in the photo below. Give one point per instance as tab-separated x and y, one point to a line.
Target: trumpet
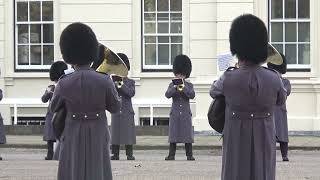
119	84
180	87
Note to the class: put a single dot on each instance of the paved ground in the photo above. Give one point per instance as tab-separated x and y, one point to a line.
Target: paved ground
161	142
27	164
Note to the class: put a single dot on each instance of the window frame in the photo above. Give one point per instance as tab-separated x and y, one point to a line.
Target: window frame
291	67
32	68
157	67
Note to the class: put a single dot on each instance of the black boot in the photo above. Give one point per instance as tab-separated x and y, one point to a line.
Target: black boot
189	153
0	158
284	151
172	152
50	150
129	152
115	148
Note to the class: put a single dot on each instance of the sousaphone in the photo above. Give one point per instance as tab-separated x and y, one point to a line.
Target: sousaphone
109	62
274	56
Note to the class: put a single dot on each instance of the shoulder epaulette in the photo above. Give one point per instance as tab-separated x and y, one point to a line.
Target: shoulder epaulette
231	68
271	69
102	73
65	75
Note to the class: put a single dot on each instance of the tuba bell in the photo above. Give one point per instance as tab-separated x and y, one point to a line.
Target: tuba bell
110	63
274	56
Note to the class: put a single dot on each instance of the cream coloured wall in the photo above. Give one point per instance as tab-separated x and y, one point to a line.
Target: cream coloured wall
117	23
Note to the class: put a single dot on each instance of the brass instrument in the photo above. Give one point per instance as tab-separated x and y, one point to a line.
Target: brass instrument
113	65
274	56
180	87
178	83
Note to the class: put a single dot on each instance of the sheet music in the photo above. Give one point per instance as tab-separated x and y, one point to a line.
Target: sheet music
225	61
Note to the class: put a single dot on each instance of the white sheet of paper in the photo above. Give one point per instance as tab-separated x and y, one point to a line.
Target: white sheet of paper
225	61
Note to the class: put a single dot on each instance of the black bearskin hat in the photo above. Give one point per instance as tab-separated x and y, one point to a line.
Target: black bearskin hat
182	65
280	68
249	39
78	44
125	60
57	70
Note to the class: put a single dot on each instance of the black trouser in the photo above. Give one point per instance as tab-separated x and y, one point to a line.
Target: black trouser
50	149
173	148
115	148
284	148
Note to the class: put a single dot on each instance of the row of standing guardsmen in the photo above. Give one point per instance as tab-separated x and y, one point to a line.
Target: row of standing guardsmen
243	140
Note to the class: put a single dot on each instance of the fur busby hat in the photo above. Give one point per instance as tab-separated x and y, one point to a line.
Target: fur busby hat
249	39
280	68
125	59
78	44
182	65
57	70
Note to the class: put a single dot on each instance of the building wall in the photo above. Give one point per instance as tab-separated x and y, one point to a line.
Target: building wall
206	23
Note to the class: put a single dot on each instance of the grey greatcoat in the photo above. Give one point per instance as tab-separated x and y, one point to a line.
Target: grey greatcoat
122	123
280	116
249	144
84	152
2	132
48	134
180	122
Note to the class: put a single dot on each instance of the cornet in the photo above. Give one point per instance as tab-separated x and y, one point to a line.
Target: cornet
180	87
178	83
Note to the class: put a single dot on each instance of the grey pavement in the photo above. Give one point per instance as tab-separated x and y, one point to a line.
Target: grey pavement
160	142
27	164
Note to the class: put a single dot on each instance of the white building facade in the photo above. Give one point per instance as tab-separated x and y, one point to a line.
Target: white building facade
152	33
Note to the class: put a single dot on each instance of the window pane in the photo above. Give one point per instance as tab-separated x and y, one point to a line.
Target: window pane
163	53
276	9
163	27
290	8
22	11
149	5
176	39
291	32
35	11
279	47
150	39
304	54
23	35
176	16
304	8
35	33
47	11
176	5
149	27
176	49
48	55
163	5
48	33
176	28
276	32
304	32
35	55
163	17
291	53
23	55
149	16
163	39
150	54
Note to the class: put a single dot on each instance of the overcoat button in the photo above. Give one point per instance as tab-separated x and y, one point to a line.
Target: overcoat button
251	115
85	116
73	115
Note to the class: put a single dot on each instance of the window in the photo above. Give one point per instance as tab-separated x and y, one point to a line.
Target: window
34	36
290	30
162	33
